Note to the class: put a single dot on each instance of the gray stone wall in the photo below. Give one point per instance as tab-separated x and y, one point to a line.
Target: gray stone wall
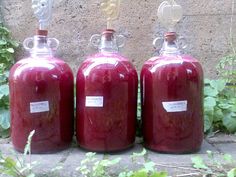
206	26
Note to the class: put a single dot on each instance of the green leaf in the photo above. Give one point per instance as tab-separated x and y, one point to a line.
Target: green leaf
10	50
14	44
4	118
229	121
4	31
208	119
123	174
232	173
228	158
6	74
207	81
209	91
141	154
9	172
90	154
140	173
218	115
9	163
108	163
31	175
83	169
209	102
4	90
225	106
207	124
149	166
159	174
219	85
57	168
3	42
130	173
198	163
4	133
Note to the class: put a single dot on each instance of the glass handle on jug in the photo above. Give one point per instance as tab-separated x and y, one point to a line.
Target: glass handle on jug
120	40
157	42
95	40
28	43
182	42
53	43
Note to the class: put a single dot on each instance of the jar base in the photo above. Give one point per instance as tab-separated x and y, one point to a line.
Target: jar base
86	149
173	152
46	151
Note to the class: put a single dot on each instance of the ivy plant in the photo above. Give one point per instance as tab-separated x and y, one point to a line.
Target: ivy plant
92	167
226	68
220	96
219	106
7	49
19	167
139	114
212	166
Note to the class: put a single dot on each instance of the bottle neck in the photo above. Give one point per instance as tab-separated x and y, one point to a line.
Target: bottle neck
170	46
41	47
108	42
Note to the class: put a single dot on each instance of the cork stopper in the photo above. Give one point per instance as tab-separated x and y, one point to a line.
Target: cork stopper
41	32
108	34
170	37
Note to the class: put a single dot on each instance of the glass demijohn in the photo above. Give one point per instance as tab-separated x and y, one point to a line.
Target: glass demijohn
41	97
172	95
106	99
106	92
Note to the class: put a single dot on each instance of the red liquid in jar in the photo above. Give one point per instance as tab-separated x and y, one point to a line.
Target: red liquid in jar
47	80
109	126
166	126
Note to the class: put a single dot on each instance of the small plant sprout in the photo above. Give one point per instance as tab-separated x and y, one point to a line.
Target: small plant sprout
18	167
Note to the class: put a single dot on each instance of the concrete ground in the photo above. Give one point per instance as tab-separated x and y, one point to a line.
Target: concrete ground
64	163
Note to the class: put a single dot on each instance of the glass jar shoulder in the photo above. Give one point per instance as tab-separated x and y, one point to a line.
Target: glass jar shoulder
174	61
51	66
107	61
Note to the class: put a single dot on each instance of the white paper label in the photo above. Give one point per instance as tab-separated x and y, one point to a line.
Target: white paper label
37	107
175	106
94	101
